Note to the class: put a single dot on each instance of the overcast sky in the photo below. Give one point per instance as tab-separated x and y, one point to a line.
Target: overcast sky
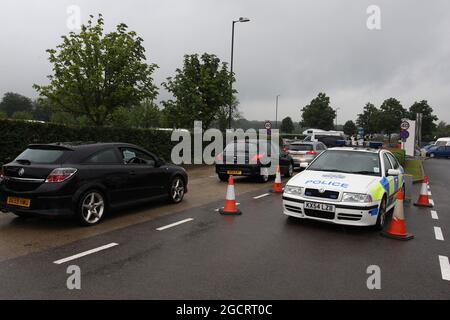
293	48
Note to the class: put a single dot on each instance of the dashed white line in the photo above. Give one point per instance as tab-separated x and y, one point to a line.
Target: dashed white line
434	215
85	253
174	224
431	202
429	193
445	267
438	234
261	196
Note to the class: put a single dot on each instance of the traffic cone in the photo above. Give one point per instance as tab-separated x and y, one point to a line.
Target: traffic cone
397	227
423	200
230	200
277	188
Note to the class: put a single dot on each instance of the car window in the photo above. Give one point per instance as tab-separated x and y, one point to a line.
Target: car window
394	161
41	155
387	163
138	156
105	156
308	138
366	163
300	147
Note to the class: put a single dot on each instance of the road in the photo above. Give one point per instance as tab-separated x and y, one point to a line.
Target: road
259	255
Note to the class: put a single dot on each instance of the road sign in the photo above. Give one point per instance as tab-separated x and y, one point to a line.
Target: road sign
268	125
404	134
404	125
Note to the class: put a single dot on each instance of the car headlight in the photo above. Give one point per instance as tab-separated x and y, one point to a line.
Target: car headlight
356	197
293	190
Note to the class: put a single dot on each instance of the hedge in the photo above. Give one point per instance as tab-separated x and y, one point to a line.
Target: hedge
399	154
16	135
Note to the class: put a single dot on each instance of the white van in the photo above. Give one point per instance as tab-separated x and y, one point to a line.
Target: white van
443	141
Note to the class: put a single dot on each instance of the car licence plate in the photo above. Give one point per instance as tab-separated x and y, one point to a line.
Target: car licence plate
320	206
20	202
236	172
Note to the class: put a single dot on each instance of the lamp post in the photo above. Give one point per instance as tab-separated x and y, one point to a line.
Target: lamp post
276	111
241	19
336	116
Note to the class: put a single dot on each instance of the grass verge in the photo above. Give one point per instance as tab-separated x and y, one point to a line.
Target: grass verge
414	168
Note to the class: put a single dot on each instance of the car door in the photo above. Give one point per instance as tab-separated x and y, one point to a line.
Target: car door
398	180
146	179
390	179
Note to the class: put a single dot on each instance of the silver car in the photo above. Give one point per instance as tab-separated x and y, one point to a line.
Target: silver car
303	152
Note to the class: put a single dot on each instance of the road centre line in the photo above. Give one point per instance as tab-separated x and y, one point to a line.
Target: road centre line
431	202
438	233
429	193
261	196
85	253
174	224
434	215
445	267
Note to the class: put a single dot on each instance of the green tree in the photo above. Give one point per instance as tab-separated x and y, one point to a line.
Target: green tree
201	91
442	130
14	102
318	113
391	115
428	118
369	120
146	115
41	110
22	115
96	73
350	128
287	125
3	115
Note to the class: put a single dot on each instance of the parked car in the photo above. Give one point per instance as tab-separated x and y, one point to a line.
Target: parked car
86	180
439	152
304	152
247	158
330	140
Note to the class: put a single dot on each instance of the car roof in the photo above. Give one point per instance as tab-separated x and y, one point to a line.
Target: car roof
357	149
78	145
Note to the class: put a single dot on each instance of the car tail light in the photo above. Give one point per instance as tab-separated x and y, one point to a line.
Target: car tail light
60	174
285	149
311	152
257	157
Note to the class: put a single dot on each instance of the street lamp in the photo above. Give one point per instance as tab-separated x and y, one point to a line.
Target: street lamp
241	19
276	111
336	115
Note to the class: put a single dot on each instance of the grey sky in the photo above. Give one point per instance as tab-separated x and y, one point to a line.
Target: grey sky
293	48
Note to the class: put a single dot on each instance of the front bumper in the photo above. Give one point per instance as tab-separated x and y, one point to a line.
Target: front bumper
345	214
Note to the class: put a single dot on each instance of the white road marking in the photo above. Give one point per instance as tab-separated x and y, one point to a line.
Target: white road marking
85	253
174	224
431	202
445	267
438	233
434	215
212	176
428	186
261	196
429	193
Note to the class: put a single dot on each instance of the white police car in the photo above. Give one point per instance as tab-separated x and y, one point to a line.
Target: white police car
351	186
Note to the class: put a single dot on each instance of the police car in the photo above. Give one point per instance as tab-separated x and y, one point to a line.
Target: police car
350	186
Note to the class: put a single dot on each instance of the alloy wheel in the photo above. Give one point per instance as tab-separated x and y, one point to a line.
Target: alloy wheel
92	207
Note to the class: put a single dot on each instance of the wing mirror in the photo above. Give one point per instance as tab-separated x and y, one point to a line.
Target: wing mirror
394	172
303	165
159	162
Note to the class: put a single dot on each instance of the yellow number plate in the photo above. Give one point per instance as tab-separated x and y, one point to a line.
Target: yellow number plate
237	172
20	202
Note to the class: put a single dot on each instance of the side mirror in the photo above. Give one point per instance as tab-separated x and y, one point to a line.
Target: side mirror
303	165
393	172
159	162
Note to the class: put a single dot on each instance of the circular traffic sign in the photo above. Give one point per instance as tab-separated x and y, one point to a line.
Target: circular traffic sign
268	125
404	125
404	134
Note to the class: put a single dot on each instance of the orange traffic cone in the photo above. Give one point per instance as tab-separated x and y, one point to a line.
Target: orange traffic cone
230	200
397	227
276	188
423	200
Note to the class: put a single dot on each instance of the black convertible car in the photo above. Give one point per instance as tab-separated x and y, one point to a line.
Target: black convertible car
86	180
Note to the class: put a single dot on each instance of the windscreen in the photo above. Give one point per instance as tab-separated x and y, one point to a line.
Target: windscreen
348	162
34	155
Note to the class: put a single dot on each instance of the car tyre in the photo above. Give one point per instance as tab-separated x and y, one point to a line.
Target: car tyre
263	178
290	170
176	189
382	215
223	177
91	208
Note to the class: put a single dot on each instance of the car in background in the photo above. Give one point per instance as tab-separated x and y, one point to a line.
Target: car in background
249	158
349	186
85	181
303	152
329	140
438	151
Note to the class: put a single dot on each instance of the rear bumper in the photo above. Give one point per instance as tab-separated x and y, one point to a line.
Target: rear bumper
41	204
353	215
246	170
